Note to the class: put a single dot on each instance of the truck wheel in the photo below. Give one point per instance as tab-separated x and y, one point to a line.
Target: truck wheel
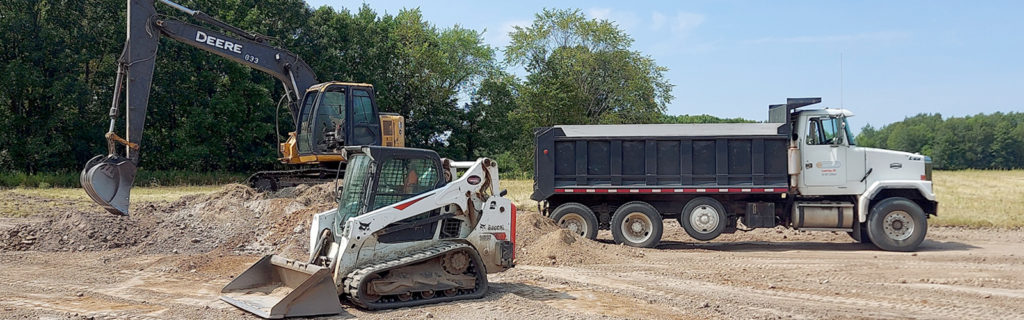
703	218
897	224
577	218
637	224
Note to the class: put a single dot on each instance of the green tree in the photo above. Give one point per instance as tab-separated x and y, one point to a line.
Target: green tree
582	71
703	118
992	141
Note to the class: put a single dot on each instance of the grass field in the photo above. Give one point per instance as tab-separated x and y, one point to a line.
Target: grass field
970	198
20	202
980	198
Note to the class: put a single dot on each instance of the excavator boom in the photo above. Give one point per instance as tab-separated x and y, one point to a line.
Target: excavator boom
107	179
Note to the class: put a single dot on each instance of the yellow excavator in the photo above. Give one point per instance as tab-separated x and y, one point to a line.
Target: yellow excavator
328	116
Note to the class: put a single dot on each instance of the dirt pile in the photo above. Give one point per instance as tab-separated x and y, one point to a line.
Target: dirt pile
540	241
235	219
77	231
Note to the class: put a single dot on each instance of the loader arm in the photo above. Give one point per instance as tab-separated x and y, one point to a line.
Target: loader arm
108	179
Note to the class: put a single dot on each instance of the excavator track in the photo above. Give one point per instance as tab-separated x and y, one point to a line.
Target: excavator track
459	264
275	180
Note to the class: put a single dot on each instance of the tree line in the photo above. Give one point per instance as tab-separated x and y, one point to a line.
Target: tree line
58	63
983	141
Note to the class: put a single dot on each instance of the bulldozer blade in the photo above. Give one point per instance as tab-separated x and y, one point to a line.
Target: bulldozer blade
277	287
108	181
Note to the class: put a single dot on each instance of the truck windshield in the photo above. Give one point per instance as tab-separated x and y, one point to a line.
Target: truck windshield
849	135
353	196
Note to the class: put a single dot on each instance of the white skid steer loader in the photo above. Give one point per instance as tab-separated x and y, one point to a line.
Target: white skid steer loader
408	231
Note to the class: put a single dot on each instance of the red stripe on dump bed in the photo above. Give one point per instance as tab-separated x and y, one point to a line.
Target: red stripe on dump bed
668	190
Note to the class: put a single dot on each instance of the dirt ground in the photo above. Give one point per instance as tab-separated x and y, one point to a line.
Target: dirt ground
170	259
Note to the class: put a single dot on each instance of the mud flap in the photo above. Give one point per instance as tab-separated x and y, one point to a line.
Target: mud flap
108	181
277	287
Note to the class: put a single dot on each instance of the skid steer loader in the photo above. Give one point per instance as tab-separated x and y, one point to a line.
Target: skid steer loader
408	230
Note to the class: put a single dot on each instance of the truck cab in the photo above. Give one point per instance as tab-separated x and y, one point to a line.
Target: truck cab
830	163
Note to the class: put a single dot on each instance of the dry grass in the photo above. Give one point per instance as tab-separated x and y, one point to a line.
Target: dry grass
22	202
969	198
980	198
519	192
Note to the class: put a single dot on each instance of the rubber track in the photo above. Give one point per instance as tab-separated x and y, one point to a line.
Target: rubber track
291	178
355	279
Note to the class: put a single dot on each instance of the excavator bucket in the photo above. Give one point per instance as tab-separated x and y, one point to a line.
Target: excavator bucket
277	287
108	181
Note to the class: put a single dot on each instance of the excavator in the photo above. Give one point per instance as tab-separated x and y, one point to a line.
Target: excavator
410	227
408	230
328	116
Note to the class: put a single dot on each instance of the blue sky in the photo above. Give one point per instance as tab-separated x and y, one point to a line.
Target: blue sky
733	58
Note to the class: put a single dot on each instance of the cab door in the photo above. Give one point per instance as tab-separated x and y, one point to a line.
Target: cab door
364	122
824	153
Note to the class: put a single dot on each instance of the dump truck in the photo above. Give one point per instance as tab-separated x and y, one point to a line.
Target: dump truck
409	230
328	116
801	169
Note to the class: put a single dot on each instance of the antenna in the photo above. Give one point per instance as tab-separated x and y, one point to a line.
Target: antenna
840	80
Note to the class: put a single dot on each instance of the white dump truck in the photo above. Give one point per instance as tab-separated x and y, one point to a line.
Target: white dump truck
802	169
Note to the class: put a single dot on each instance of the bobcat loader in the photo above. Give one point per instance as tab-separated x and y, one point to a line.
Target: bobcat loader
409	230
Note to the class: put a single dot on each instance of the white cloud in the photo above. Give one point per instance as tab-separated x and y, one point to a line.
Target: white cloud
684	22
859	37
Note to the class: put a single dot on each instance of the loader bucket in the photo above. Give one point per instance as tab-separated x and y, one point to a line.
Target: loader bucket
108	181
277	287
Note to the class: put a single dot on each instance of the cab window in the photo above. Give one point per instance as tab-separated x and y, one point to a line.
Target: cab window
305	124
823	131
362	107
330	115
401	179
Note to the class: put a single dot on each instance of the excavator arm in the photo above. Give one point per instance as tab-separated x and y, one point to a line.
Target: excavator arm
108	178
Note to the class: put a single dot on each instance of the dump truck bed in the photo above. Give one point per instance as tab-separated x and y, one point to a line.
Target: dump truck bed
608	157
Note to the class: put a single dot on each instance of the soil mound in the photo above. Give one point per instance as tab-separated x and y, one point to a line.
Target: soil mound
234	219
541	242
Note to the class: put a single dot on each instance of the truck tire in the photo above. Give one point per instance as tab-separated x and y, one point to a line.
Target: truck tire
897	224
637	224
703	218
576	217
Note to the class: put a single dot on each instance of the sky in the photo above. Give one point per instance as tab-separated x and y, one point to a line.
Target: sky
883	60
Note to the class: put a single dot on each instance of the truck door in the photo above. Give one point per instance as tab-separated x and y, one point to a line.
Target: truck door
824	153
364	120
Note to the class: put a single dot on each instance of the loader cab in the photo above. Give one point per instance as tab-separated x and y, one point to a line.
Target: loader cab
378	177
337	114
